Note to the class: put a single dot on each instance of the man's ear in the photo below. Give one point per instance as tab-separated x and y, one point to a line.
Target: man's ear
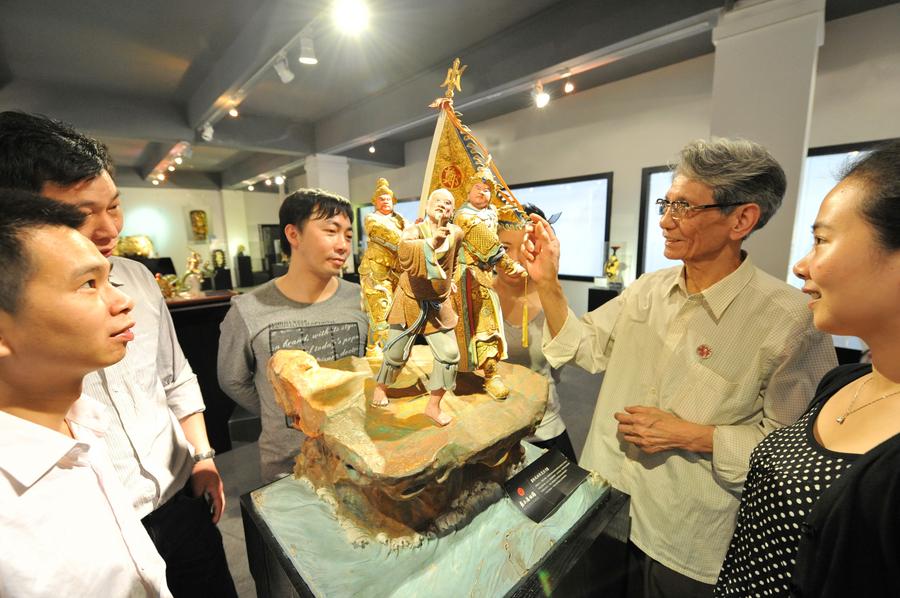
744	219
5	323
293	235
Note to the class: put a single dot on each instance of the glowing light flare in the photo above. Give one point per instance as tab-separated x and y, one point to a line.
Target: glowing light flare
541	97
350	16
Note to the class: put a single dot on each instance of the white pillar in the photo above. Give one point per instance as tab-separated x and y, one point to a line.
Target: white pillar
331	173
763	83
235	227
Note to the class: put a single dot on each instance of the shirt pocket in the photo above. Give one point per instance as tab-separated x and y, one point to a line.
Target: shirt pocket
705	396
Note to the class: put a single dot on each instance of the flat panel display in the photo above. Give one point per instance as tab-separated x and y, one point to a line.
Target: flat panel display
583	226
655	182
821	173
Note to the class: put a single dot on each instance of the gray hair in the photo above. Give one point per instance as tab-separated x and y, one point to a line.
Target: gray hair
738	171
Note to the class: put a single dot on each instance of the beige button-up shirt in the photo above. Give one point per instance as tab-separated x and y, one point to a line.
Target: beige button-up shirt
742	356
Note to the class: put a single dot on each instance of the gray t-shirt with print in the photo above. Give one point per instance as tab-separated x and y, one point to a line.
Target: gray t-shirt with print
264	321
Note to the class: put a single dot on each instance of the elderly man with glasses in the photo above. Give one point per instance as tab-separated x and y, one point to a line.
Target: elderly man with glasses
701	362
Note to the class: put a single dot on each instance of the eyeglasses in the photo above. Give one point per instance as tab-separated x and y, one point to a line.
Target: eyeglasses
680	208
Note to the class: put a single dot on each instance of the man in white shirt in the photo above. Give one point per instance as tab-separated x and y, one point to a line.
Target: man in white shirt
156	436
701	362
67	524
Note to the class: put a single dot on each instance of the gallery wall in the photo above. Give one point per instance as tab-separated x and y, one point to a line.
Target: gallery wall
163	215
621	127
644	120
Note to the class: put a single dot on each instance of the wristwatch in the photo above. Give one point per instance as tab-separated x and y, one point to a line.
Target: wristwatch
205	455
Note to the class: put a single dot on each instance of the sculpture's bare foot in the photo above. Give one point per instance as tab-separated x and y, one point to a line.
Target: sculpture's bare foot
435	413
379	397
495	387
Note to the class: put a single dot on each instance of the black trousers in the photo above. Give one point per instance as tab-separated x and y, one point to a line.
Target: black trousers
191	545
650	579
562	443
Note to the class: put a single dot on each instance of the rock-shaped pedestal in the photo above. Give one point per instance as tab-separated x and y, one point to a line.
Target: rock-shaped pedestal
392	469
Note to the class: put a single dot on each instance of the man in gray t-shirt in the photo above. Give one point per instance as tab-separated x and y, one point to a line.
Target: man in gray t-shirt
308	308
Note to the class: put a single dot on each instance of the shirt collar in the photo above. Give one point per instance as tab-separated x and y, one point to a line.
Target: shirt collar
114	273
720	295
29	450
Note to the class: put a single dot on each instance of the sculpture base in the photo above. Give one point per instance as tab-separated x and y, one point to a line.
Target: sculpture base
394	473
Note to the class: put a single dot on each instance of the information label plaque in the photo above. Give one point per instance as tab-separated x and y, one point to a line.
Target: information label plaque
540	488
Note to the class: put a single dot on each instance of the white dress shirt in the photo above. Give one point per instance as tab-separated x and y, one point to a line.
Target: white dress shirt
67	527
146	394
742	356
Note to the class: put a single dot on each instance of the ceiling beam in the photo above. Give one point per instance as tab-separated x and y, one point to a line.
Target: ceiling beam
264	134
273	26
387	153
184	179
128	117
154	153
99	113
257	167
543	46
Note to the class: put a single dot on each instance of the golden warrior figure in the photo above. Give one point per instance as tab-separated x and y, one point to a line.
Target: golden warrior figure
378	269
479	332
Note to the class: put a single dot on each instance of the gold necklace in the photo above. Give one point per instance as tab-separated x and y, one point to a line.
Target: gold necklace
850	410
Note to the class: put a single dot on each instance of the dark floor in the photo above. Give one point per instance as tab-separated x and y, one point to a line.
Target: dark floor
240	468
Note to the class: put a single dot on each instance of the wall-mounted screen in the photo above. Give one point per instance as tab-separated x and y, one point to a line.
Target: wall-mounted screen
583	226
821	173
408	208
655	182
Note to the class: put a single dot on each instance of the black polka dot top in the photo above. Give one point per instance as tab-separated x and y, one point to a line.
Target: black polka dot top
789	469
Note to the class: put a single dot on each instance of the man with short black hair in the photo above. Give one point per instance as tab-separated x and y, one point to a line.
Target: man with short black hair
309	308
157	437
701	362
67	524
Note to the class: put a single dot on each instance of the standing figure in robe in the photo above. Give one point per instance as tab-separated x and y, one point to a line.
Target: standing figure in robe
422	304
378	269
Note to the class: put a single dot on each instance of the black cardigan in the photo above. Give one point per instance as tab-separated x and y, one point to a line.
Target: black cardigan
850	545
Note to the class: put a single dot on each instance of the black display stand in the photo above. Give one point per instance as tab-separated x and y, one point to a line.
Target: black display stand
244	270
597	297
197	326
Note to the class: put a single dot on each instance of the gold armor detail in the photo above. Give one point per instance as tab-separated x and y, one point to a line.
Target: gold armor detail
378	274
476	300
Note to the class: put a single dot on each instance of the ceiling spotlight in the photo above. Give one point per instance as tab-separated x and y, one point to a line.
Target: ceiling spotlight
283	70
350	16
268	182
569	87
250	187
170	168
233	113
179	160
541	97
279	180
155	182
307	51
207	131
372	148
160	177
